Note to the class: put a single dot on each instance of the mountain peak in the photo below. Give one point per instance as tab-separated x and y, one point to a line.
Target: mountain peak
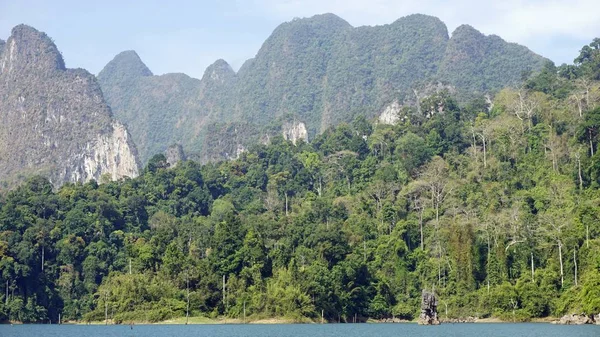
29	50
421	23
127	64
327	22
417	17
220	71
325	18
465	31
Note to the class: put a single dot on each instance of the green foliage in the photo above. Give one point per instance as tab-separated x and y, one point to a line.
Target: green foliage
497	210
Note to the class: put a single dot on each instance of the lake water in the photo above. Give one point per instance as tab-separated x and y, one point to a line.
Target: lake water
300	330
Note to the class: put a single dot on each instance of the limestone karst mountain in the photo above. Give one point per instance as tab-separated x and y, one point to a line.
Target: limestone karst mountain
475	62
319	71
53	120
162	110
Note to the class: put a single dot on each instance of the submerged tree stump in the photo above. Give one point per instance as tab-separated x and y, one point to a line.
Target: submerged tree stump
428	309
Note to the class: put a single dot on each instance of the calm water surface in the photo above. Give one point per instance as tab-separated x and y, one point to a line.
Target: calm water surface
301	330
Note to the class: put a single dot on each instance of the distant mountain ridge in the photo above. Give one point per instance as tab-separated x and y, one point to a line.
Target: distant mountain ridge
319	70
53	120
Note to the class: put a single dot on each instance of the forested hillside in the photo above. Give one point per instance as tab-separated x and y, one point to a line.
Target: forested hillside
320	71
496	207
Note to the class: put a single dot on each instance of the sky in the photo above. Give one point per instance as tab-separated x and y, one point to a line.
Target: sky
188	36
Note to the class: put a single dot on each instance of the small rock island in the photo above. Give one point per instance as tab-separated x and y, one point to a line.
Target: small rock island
428	309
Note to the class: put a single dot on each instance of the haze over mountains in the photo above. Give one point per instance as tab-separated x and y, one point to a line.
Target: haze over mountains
309	74
319	71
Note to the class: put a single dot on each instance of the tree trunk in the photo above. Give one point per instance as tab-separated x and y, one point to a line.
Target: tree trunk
437	214
286	204
187	312
489	256
421	227
224	297
578	157
587	235
105	308
587	96
575	262
591	143
439	273
484	153
320	186
562	277
474	145
43	258
532	269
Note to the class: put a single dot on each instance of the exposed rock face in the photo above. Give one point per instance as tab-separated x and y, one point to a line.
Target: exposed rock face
391	114
174	155
575	319
240	149
220	73
428	309
53	120
295	131
110	154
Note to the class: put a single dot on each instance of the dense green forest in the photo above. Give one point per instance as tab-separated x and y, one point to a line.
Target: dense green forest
494	206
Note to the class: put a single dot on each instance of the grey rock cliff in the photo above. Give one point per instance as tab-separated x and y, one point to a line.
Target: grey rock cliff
295	131
53	120
575	319
391	114
174	154
428	309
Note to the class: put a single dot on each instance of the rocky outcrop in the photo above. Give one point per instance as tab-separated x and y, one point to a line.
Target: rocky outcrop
394	320
110	155
54	121
576	319
428	309
391	114
220	73
294	131
174	155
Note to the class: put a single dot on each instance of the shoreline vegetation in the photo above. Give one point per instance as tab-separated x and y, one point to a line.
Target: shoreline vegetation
200	320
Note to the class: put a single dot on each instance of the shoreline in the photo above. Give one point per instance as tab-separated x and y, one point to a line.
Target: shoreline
202	320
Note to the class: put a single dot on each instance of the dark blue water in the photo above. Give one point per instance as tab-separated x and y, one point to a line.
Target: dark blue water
301	330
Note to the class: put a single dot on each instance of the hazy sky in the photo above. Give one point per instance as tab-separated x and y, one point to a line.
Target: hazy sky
187	36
